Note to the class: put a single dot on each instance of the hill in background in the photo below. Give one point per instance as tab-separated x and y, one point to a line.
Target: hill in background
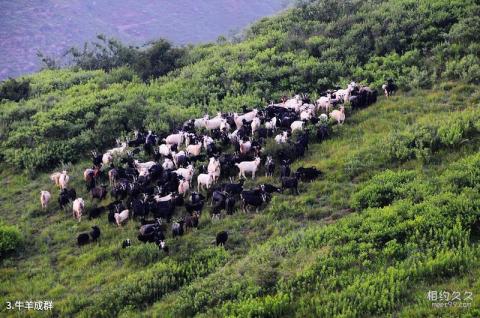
54	26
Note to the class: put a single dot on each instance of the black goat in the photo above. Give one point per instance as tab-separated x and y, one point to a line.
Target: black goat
221	238
234	188
290	183
308	174
86	237
95	212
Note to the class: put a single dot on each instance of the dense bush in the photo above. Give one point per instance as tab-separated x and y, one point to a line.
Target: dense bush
407	70
467	69
158	59
465	173
14	90
382	189
363	161
422	140
279	150
452	131
10	238
105	54
414	142
144	254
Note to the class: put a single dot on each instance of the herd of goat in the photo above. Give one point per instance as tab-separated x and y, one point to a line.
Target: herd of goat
198	150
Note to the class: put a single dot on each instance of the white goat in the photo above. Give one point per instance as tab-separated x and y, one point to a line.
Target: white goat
143	172
325	102
307	114
338	115
78	208
176	139
344	94
143	165
183	187
245	146
248	166
194	150
207	140
121	217
44	198
272	124
214	168
117	150
204	180
293	103
164	149
168	164
247	116
297	125
186	173
213	123
255	124
55	177
63	179
281	138
233	137
200	122
107	158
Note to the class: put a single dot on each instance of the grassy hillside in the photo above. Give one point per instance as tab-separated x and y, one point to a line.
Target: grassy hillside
395	215
304	255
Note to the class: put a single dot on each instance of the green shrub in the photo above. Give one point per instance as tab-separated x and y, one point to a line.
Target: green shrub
144	254
363	161
458	126
10	238
467	69
276	305
381	190
120	75
405	69
422	141
451	133
279	150
464	173
413	229
14	90
399	145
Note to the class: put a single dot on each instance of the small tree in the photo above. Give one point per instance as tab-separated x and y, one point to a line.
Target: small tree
105	54
158	59
14	90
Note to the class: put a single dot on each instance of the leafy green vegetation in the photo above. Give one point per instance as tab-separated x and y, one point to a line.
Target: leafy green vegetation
156	60
382	189
14	90
310	48
10	238
395	214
